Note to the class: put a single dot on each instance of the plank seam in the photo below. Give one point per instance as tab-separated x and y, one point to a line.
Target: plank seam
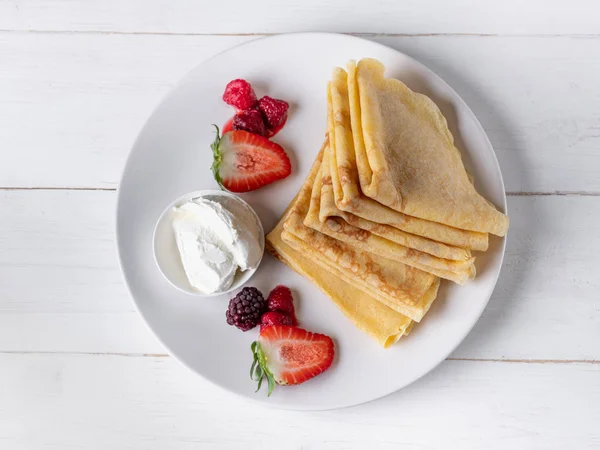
528	361
557	193
261	34
166	355
130	355
107	189
55	188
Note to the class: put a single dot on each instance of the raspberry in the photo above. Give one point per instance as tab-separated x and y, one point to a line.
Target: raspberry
275	318
246	308
280	300
251	121
274	111
239	94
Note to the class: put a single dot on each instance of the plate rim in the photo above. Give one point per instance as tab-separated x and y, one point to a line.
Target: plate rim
282	406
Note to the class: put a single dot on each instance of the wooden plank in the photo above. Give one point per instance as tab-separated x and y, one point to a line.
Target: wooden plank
95	402
92	333
61	284
58	254
272	16
59	274
72	104
548	289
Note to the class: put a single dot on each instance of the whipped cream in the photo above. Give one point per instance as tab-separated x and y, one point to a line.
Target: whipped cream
216	235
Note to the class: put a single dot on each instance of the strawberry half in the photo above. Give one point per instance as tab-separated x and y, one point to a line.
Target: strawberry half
289	355
245	161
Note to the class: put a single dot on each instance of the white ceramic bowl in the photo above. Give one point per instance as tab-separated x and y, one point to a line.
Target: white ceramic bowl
166	253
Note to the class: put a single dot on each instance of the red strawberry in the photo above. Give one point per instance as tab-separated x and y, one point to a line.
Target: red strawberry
239	94
274	318
289	355
245	161
274	111
280	299
251	121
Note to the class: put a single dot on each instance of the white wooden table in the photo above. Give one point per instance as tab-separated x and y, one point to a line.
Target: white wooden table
79	369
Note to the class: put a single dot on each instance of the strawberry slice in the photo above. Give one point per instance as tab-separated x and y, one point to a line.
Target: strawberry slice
289	355
245	161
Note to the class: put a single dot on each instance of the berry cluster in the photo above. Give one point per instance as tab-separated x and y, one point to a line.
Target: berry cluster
264	117
249	308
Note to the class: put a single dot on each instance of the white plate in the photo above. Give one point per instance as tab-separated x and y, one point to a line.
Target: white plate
172	156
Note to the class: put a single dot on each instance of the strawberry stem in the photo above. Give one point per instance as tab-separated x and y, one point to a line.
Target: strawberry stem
259	369
217	158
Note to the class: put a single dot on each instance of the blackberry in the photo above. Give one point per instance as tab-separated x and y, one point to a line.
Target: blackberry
245	308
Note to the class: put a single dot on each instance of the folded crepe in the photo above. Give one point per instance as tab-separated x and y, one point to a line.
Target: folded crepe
405	289
406	156
361	239
347	200
384	324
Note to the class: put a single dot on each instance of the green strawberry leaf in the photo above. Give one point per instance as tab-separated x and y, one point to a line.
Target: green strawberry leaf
259	369
217	158
271	382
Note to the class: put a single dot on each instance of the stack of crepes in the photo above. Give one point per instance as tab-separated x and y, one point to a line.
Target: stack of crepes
387	209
